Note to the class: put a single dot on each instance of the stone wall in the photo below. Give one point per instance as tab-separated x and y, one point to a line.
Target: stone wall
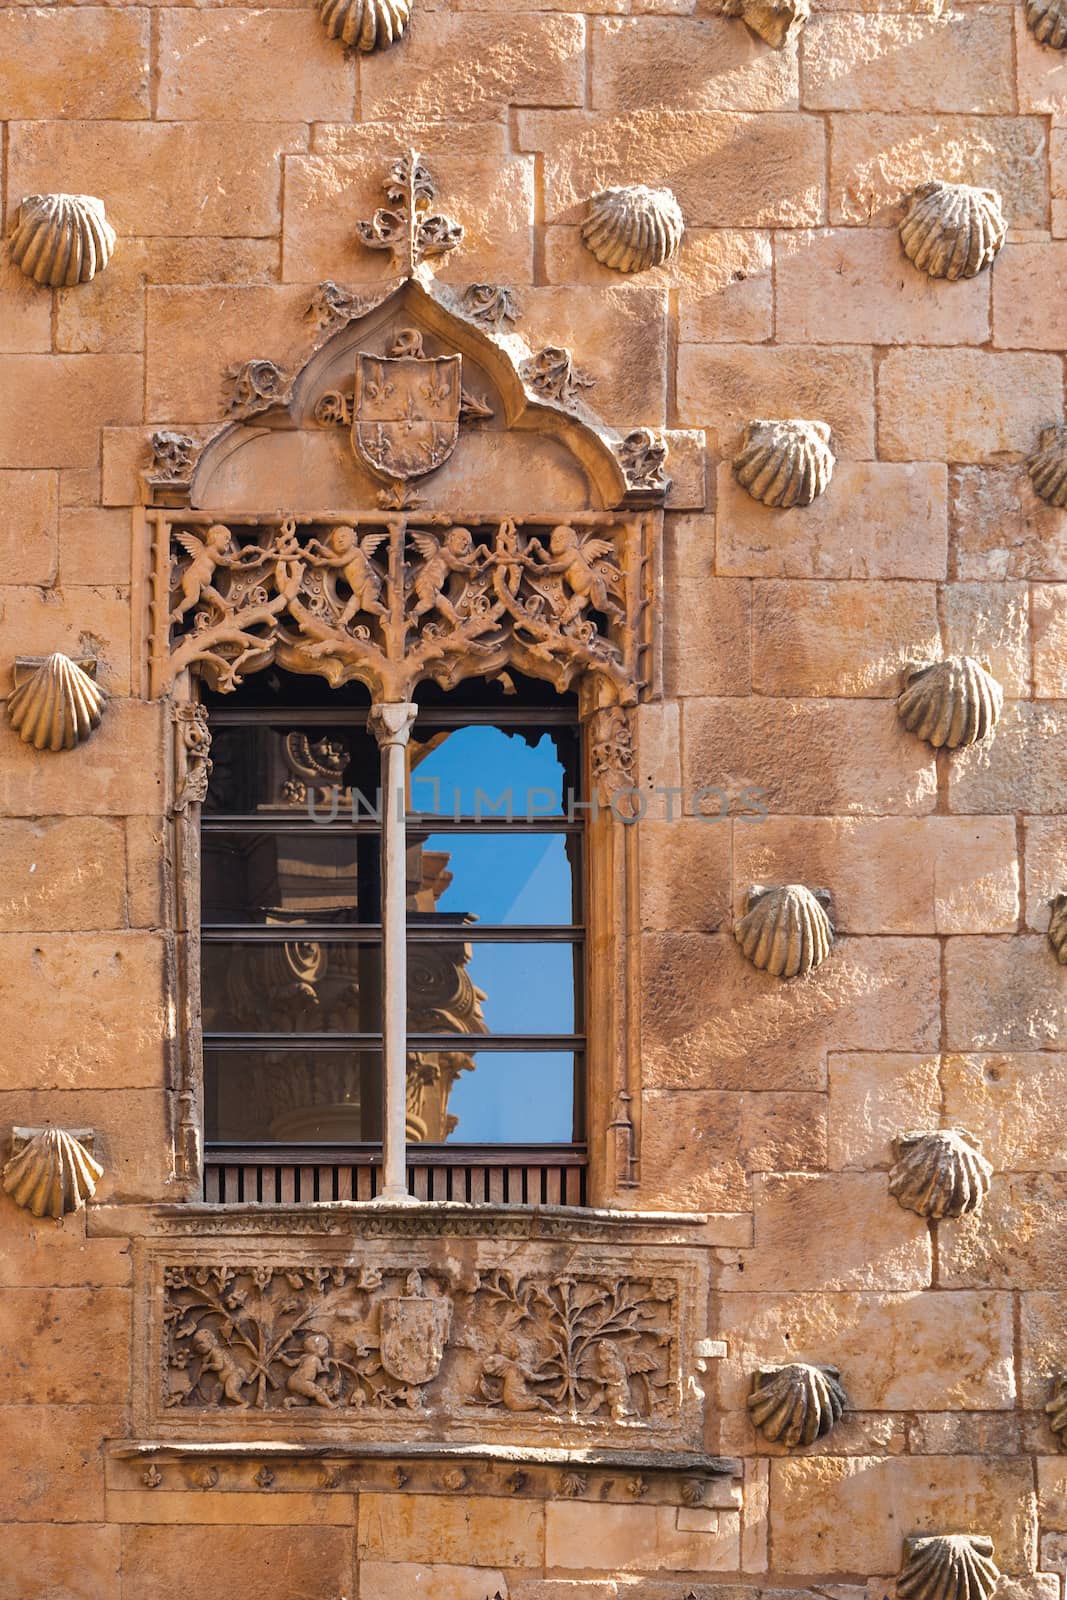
236	149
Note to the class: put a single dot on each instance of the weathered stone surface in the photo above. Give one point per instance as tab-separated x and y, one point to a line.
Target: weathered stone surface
69	873
592	323
954	61
1028	310
896	1352
724	168
1041	72
95	547
849	1515
29	510
691	1151
1049	617
690	64
56	1561
27	323
1051	1474
809	757
713	1021
1016	1243
213	65
1003	994
245	322
872	1097
1002	529
685	874
51	1467
1045	867
877	160
946	1433
820	1232
783	1132
880	521
1023	768
132	1134
37	1254
852	286
119	772
811	638
106	316
303	1564
83	62
381	1580
991	623
250	1510
964	405
78	621
148	865
892	874
701	640
1014	1104
454	1530
182	178
723	389
53	407
640	1538
79	1350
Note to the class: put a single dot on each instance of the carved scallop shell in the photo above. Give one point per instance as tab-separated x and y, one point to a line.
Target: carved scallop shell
57	706
940	1174
785	931
52	1174
366	24
1047	21
952	230
798	1403
1057	928
1048	467
785	463
948	1566
951	703
62	239
1056	1408
633	229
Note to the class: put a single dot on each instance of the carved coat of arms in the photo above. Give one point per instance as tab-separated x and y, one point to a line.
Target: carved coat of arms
406	415
413	1332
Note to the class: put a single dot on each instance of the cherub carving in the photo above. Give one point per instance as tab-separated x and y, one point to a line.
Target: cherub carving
612	1368
214	1357
515	1379
206	555
581	564
454	555
352	555
313	1364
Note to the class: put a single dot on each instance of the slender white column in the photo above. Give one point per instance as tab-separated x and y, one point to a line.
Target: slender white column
391	725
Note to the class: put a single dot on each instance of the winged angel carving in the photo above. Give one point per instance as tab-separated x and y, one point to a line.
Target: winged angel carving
393	599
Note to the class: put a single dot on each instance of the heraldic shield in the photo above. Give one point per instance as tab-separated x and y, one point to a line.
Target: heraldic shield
412	1336
406	416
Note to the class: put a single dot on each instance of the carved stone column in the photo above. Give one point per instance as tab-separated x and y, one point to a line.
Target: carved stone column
391	725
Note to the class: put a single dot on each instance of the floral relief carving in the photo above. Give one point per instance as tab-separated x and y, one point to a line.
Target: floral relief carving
254	386
331	306
643	456
194	755
492	304
173	456
551	373
408	227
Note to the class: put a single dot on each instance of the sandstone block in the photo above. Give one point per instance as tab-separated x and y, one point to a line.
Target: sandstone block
52	408
826	1231
119	771
1043	1328
211	178
1003	994
873	1097
813	637
107	315
490	191
51	1467
946	1433
724	167
705	640
1049	620
755	1516
1051	1493
79	1350
525	60
688	63
891	874
1023	767
1046	868
38	1254
594	324
783	1132
200	260
712	1021
878	521
685	874
1058	160
840	1515
878	159
29	515
1028	310
78	620
95	546
658	756
1002	529
954	61
384	1580
723	389
132	1136
27	323
69	873
639	1538
215	65
457	1530
148	866
47	1560
991	621
1016	1243
896	1352
964	405
852	286
691	1151
83	62
301	1563
809	757
1041	73
244	1509
245	322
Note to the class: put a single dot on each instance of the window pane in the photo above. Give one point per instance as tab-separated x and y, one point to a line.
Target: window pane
495	878
292	1096
455	987
511	1097
274	769
311	876
295	986
485	771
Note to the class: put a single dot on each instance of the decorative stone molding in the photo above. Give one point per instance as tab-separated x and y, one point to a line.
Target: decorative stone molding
948	1566
797	1403
785	930
633	229
612	755
408	227
173	456
55	704
331	306
492	304
1047	21
950	704
643	455
551	373
366	24
952	230
193	755
1057	927
1048	467
254	386
785	462
61	240
776	22
51	1172
940	1174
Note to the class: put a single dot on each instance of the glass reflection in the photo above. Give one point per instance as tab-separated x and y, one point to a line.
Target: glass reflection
503	880
488	772
284	771
491	988
294	986
292	1096
290	878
